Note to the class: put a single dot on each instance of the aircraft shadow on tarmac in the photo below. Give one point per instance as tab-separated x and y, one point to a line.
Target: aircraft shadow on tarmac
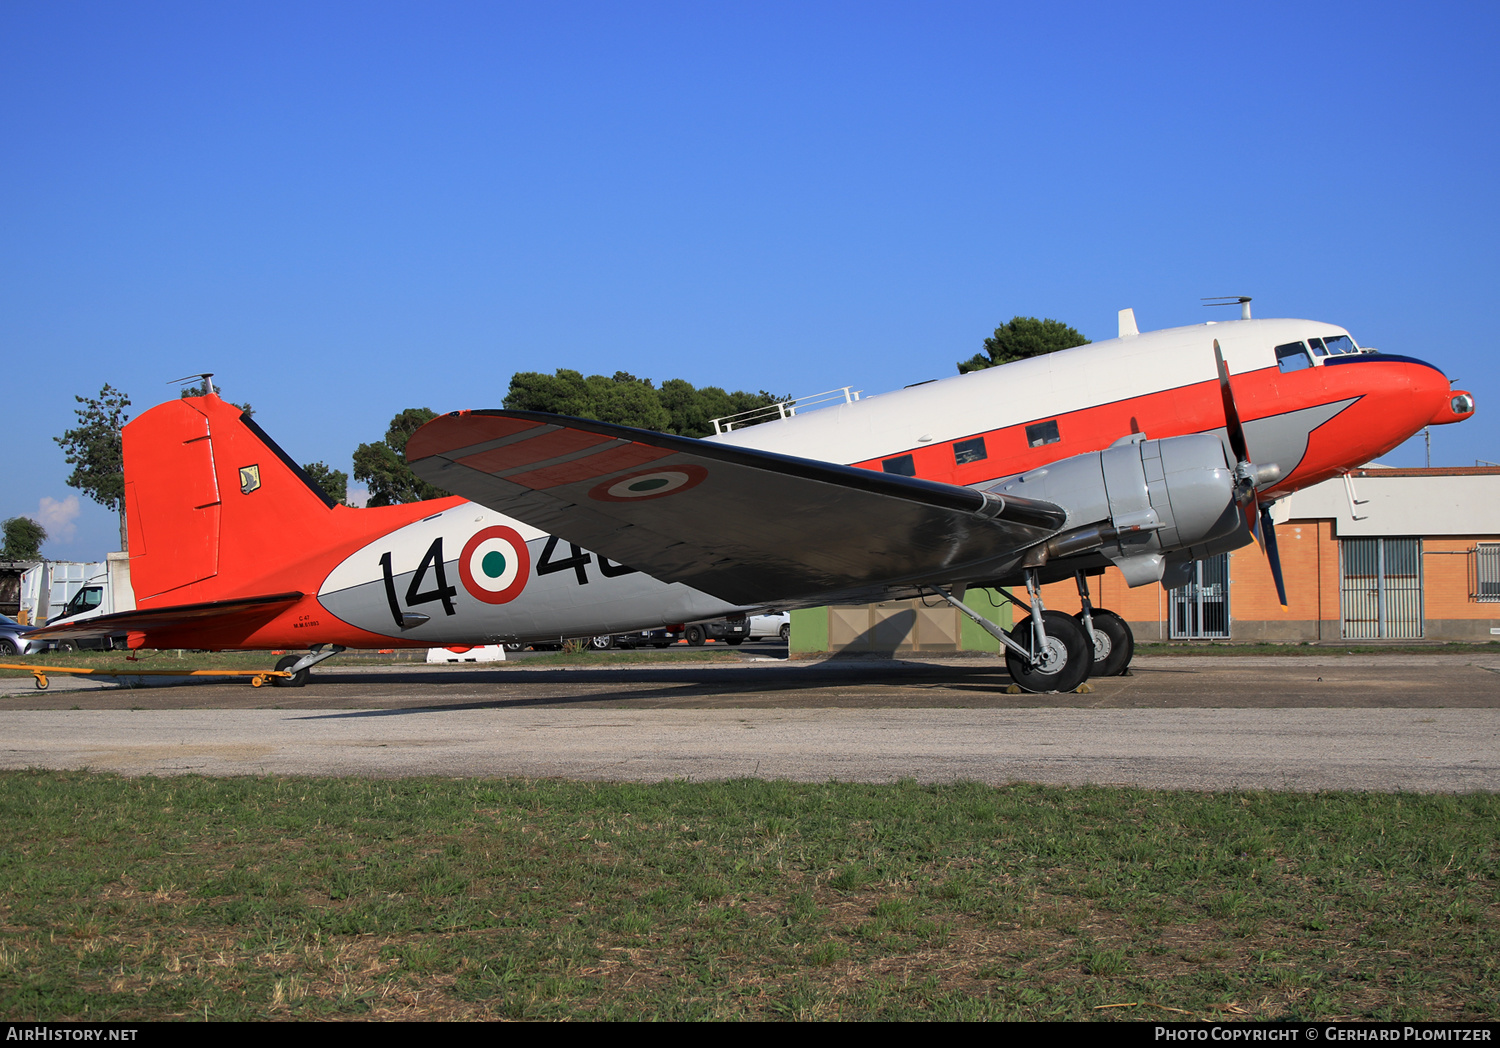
686	683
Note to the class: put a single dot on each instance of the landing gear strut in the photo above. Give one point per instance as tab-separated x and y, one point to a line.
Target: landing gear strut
1113	643
1046	651
300	667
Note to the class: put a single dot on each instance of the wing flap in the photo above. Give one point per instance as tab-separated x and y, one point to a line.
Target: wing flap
745	525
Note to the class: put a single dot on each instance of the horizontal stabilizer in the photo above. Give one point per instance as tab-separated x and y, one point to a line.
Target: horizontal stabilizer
747	526
247	612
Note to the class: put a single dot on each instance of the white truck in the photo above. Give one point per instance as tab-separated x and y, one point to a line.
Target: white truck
58	591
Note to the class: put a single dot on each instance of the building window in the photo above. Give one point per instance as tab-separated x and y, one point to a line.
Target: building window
1381	588
1484	581
902	466
1043	433
965	451
1201	608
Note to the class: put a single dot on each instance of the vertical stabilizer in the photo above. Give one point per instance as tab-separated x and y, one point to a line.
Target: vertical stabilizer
217	511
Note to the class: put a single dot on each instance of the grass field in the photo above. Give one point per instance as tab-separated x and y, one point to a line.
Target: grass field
139	899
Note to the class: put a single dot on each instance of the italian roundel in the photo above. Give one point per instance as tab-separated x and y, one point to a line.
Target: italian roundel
651	484
495	565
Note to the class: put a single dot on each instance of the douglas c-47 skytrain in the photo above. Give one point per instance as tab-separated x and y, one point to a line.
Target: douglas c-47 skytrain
1148	451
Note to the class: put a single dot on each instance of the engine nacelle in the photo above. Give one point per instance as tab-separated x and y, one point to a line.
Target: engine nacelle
1138	501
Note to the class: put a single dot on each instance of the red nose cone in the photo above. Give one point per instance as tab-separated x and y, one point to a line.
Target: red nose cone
1457	406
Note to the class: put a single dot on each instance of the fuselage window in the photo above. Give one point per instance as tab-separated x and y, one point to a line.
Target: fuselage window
1317	347
1340	344
1043	433
901	465
1293	357
969	450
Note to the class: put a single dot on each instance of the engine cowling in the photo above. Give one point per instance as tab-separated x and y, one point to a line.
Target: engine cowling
1138	502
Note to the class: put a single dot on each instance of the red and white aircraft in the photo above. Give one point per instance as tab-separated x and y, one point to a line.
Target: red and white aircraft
1147	451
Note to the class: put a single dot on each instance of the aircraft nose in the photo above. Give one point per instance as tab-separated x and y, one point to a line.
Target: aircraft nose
1434	396
1458	406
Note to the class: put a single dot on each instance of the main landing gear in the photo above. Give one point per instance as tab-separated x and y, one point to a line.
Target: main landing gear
1049	651
300	666
1114	644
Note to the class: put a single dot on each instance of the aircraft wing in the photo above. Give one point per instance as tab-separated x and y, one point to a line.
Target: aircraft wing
747	526
247	612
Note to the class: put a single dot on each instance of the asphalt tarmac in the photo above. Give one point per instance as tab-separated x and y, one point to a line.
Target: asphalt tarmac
1426	723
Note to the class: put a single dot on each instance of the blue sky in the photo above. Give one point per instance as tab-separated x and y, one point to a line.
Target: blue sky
344	210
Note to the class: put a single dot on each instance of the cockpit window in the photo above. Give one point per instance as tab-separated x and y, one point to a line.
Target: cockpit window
1340	344
1293	357
1317	347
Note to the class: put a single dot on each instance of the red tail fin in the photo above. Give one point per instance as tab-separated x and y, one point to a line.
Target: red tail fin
216	511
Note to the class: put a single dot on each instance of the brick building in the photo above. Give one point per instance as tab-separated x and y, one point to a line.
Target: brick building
1384	554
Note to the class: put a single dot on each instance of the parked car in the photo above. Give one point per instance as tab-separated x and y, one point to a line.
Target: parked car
638	639
771	626
13	638
730	631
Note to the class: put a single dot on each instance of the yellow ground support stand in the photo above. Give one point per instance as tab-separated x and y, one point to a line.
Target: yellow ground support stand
258	678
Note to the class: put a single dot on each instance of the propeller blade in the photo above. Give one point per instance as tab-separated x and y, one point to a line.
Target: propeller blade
1269	529
1252	519
1231	414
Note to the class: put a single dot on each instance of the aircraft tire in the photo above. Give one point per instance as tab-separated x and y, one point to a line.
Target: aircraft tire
1112	634
695	636
298	679
1070	655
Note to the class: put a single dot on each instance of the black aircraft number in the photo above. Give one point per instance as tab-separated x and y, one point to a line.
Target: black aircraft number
577	559
432	561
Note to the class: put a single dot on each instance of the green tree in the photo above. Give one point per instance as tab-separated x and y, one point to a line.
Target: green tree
382	465
23	539
333	481
1022	337
677	407
93	450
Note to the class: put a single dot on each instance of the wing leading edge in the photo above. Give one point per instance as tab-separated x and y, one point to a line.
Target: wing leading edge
744	525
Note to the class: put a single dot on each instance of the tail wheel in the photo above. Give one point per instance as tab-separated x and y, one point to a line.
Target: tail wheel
1064	663
297	679
695	636
1114	644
